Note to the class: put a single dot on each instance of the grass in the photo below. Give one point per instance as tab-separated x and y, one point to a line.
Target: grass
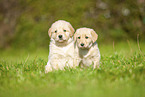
121	74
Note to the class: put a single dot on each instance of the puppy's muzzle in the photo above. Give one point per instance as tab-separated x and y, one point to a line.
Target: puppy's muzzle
82	44
60	36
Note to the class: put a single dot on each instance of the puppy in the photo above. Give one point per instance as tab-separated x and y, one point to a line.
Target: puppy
86	48
61	48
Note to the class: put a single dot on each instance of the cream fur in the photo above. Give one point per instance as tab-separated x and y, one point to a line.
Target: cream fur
61	51
89	53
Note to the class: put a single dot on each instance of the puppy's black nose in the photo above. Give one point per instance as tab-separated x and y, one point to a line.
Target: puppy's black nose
60	36
82	44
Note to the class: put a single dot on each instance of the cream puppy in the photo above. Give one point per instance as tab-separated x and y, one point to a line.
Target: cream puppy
61	48
86	48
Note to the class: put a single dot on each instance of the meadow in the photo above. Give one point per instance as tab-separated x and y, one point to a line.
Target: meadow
121	74
24	48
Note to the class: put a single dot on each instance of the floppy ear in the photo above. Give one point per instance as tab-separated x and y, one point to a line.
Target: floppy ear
94	35
72	30
49	32
75	36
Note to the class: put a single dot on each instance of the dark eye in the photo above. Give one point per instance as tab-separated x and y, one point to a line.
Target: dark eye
55	31
64	30
79	37
86	37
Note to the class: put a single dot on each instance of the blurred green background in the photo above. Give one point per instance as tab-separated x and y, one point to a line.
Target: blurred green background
24	23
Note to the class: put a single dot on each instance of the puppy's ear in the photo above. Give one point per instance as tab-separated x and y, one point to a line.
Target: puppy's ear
72	30
94	35
49	32
75	36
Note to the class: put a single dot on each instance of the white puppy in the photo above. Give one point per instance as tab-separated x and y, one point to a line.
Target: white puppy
86	48
61	48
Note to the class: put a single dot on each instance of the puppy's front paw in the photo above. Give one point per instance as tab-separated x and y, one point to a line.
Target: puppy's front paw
48	68
96	65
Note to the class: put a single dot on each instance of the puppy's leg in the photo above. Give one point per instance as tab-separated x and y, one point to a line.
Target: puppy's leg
57	64
48	67
61	63
76	62
70	62
96	64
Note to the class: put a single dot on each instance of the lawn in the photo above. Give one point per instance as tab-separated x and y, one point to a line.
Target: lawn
121	74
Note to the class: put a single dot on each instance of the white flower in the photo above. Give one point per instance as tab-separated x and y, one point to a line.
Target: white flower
125	11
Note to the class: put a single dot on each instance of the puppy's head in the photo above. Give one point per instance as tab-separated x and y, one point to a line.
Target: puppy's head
61	31
85	37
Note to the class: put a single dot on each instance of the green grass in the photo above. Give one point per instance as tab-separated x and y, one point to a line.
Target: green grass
121	74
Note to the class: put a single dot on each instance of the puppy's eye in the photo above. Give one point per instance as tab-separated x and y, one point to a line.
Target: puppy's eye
86	37
55	31
64	30
79	37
